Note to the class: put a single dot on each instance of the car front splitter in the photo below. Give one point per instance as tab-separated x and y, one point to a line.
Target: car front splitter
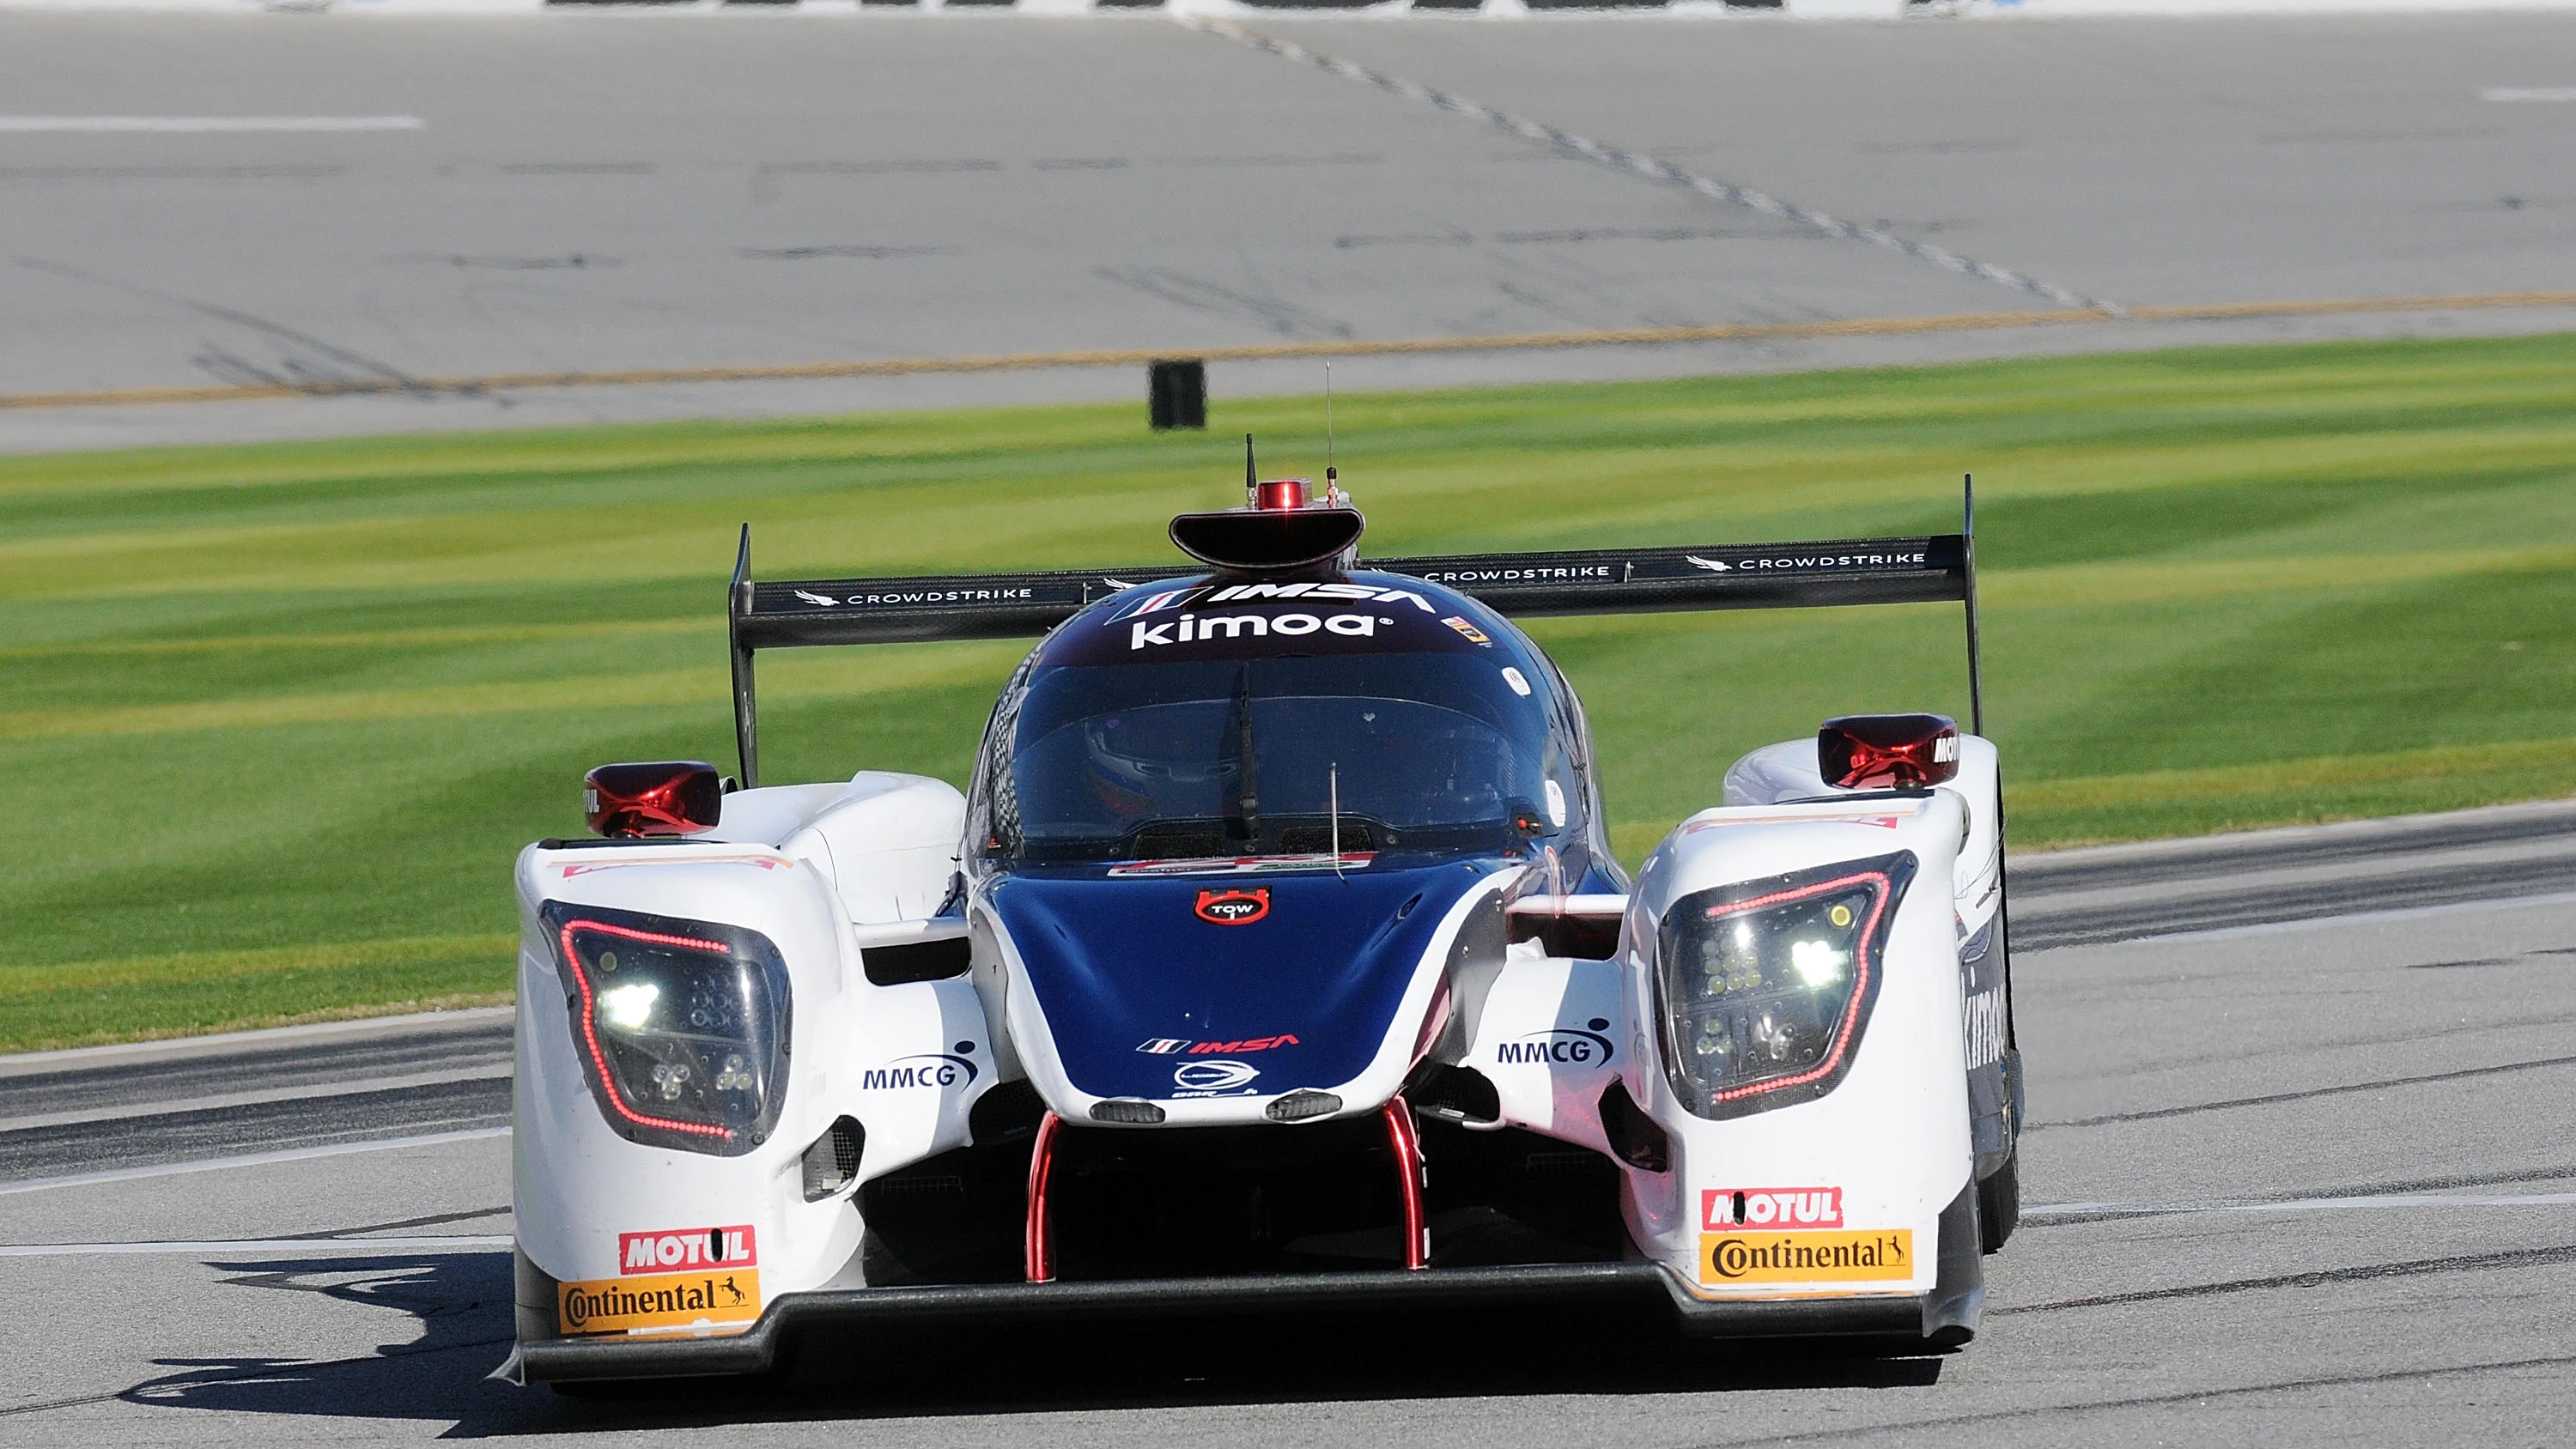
1643	1288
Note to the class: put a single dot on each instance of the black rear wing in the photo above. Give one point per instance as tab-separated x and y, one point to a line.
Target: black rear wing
1935	568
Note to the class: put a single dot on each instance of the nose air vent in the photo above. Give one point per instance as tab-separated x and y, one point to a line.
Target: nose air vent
1127	1111
1302	1104
833	1160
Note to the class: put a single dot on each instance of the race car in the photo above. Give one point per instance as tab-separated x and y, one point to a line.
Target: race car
1274	957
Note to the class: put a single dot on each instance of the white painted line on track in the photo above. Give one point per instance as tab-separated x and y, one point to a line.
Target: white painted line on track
2303	1204
251	1159
2319	923
127	1111
227	1043
330	1247
2543	94
212	123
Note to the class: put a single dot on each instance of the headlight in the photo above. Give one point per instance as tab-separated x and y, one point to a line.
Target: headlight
1767	984
681	1026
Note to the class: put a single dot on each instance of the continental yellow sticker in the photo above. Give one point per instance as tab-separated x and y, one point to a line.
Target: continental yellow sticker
726	1299
1832	1257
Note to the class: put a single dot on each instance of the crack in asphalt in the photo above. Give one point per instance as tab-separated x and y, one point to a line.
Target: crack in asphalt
224	364
2275	1098
1847	1433
1637	164
2465	1263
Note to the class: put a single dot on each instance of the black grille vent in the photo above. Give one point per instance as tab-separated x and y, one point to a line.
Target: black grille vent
1010	1110
914	961
833	1161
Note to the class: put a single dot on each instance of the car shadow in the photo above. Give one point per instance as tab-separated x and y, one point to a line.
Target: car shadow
459	1307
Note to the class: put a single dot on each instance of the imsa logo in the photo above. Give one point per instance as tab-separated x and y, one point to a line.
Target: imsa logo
1233	906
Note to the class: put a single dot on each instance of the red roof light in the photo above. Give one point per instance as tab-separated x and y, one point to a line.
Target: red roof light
1278	494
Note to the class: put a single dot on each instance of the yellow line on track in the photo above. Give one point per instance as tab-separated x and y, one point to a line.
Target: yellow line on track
1388	347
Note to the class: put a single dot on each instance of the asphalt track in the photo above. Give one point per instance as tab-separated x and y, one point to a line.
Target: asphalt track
641	196
2297	1157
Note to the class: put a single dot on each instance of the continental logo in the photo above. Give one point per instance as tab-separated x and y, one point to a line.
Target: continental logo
721	1299
1845	1257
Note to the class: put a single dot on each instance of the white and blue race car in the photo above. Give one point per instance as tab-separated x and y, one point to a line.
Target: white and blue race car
1274	957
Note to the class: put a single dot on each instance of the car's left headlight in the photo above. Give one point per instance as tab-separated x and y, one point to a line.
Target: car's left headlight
681	1025
1768	984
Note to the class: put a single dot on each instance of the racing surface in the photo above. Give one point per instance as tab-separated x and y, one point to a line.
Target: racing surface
2297	1168
616	192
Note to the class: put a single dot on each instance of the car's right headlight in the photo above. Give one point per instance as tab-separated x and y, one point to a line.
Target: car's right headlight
1768	984
681	1025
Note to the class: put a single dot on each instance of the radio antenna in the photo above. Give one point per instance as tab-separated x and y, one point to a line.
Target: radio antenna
1331	473
1251	475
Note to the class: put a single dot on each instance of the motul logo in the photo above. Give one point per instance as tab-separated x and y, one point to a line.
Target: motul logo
1234	907
1770	1207
686	1248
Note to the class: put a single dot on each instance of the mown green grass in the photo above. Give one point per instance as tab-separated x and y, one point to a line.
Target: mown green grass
276	718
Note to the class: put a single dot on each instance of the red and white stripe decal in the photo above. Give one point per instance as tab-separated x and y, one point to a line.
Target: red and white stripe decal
1038	1251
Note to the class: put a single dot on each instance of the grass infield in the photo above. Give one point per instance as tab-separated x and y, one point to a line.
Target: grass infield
279	716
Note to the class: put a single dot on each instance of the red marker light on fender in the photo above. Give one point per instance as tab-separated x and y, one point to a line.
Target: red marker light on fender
1888	751
669	797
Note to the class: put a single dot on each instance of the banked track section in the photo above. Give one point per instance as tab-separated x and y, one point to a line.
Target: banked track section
127	1108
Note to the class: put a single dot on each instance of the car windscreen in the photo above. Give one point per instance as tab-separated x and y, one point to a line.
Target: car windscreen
1251	756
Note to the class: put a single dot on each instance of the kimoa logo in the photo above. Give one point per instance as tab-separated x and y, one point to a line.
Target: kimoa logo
1562	1045
1192	628
1985	1021
924	1069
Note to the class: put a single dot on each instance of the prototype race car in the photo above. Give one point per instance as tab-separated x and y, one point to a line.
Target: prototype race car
1274	956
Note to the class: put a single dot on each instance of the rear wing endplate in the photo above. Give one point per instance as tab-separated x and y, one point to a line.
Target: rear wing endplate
1935	568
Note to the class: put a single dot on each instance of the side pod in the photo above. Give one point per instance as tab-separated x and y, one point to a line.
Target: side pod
1795	976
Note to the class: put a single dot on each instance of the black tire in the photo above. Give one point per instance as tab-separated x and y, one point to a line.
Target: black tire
1999	1203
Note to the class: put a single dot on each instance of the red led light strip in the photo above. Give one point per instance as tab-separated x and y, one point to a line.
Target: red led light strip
590	1035
1037	1252
1860	983
1407	1146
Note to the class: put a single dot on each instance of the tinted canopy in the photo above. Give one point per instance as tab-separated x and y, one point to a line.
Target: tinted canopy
1204	726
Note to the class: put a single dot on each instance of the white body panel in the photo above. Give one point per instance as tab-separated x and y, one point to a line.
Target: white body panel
1550	1036
821	870
1893	1138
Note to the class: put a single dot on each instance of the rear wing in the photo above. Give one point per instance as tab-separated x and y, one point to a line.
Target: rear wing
1935	568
